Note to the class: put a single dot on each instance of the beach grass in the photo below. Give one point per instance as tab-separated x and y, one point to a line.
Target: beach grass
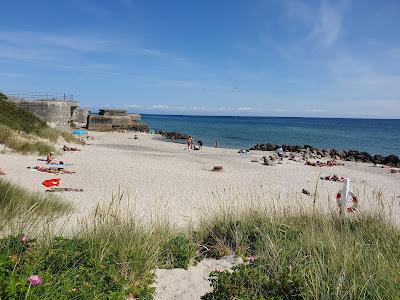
20	208
304	256
24	143
113	253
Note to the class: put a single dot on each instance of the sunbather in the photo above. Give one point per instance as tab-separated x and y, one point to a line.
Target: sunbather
52	170
53	190
2	172
66	148
333	178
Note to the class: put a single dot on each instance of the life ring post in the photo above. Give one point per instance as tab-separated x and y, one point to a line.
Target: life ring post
345	194
346	200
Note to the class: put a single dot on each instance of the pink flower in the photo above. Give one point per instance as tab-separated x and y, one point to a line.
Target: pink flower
251	258
35	280
24	239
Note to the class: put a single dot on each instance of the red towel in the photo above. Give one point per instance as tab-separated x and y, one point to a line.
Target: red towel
51	182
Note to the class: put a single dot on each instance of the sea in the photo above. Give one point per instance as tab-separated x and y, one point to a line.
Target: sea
375	136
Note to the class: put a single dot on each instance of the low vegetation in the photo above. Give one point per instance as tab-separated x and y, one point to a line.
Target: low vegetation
304	257
19	207
23	132
113	255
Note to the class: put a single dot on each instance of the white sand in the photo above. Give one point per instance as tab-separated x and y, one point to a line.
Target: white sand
165	180
191	283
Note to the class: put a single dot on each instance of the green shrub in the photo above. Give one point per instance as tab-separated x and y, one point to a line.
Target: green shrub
67	268
255	281
3	97
177	253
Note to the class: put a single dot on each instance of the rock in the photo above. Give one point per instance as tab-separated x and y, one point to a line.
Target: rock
391	160
379	159
173	134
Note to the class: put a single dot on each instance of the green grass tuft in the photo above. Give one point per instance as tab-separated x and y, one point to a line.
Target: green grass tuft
315	257
17	203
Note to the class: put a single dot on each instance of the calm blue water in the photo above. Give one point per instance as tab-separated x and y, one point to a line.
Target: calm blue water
373	136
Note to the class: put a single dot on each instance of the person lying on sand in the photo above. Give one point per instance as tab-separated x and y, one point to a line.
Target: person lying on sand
2	172
54	190
329	163
52	170
66	148
333	178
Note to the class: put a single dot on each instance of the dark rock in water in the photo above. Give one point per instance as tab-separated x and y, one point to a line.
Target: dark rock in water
311	152
264	147
379	159
141	127
391	160
173	134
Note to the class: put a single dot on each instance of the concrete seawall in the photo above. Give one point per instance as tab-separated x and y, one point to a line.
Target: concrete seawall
56	113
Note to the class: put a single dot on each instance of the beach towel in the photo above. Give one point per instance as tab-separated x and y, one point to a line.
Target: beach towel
54	190
51	182
79	132
59	165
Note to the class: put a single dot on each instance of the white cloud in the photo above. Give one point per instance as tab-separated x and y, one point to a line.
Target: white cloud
244	109
45	46
11	75
328	25
314	110
132	105
158	106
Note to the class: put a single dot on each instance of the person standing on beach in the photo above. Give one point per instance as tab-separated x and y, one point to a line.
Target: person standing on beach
189	142
216	144
200	144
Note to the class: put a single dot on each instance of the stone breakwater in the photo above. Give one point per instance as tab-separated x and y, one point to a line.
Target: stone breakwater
310	152
173	134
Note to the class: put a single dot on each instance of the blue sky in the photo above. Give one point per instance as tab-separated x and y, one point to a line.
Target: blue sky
268	58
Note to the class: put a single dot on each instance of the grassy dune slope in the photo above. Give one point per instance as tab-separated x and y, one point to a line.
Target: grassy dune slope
25	133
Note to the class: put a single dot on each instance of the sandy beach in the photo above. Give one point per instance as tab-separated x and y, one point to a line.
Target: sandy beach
164	179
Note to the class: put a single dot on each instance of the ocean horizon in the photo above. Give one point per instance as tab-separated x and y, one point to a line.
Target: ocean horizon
375	136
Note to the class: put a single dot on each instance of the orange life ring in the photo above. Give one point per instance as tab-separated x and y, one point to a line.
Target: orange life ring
351	204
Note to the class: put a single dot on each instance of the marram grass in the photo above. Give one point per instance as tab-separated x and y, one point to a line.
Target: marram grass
113	254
